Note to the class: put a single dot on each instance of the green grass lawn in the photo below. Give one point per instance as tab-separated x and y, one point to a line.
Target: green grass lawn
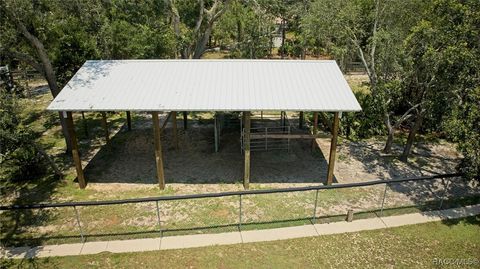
413	246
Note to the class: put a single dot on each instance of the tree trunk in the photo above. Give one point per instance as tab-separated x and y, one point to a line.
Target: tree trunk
47	72
282	24
239	32
391	128
202	43
48	159
391	131
52	83
389	143
411	137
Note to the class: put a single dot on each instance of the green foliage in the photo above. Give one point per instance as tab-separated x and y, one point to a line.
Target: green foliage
247	30
136	31
75	31
366	123
441	73
19	159
464	128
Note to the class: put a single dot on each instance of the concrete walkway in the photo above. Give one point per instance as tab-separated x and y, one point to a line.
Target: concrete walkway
202	240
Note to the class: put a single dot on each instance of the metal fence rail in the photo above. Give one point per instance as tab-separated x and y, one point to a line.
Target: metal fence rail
240	194
223	194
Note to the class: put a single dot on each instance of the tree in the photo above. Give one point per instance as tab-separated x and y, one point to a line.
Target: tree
371	31
193	24
22	16
137	30
463	127
246	29
286	11
20	156
442	68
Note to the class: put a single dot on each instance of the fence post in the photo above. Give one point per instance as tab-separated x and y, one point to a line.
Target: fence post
444	192
315	208
266	138
383	199
79	225
240	212
158	218
288	139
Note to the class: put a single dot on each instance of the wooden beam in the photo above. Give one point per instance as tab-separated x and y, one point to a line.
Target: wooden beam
246	146
129	121
174	129
158	150
185	120
75	152
105	126
333	149
166	121
315	130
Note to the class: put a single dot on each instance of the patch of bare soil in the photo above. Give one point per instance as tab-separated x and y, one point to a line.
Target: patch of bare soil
364	160
129	159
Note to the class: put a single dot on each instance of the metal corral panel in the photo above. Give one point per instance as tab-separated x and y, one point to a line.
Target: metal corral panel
207	85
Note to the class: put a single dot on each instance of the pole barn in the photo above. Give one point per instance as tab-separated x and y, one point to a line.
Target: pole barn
182	86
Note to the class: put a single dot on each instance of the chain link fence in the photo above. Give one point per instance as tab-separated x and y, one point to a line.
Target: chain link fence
229	211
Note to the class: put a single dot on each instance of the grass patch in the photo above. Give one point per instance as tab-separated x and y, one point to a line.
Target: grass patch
199	216
407	247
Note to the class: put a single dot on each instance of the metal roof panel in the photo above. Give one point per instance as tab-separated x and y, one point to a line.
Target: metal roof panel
206	85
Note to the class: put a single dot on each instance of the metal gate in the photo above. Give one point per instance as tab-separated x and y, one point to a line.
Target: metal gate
267	138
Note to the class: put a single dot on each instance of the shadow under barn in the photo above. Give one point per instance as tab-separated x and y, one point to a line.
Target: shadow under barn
129	157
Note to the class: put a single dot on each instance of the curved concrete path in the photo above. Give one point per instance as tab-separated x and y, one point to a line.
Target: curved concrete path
202	240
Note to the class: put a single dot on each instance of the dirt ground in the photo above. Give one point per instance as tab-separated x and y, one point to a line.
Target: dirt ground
129	158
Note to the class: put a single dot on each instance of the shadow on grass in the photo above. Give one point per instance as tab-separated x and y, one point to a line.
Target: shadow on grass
41	189
472	220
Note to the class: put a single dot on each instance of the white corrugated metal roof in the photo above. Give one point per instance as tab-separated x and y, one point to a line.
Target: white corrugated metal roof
206	85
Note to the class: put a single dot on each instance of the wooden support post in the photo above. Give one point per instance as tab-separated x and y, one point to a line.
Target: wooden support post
215	130
158	150
75	152
300	120
85	125
246	177
315	130
242	122
185	120
174	129
350	215
333	149
129	121
105	126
